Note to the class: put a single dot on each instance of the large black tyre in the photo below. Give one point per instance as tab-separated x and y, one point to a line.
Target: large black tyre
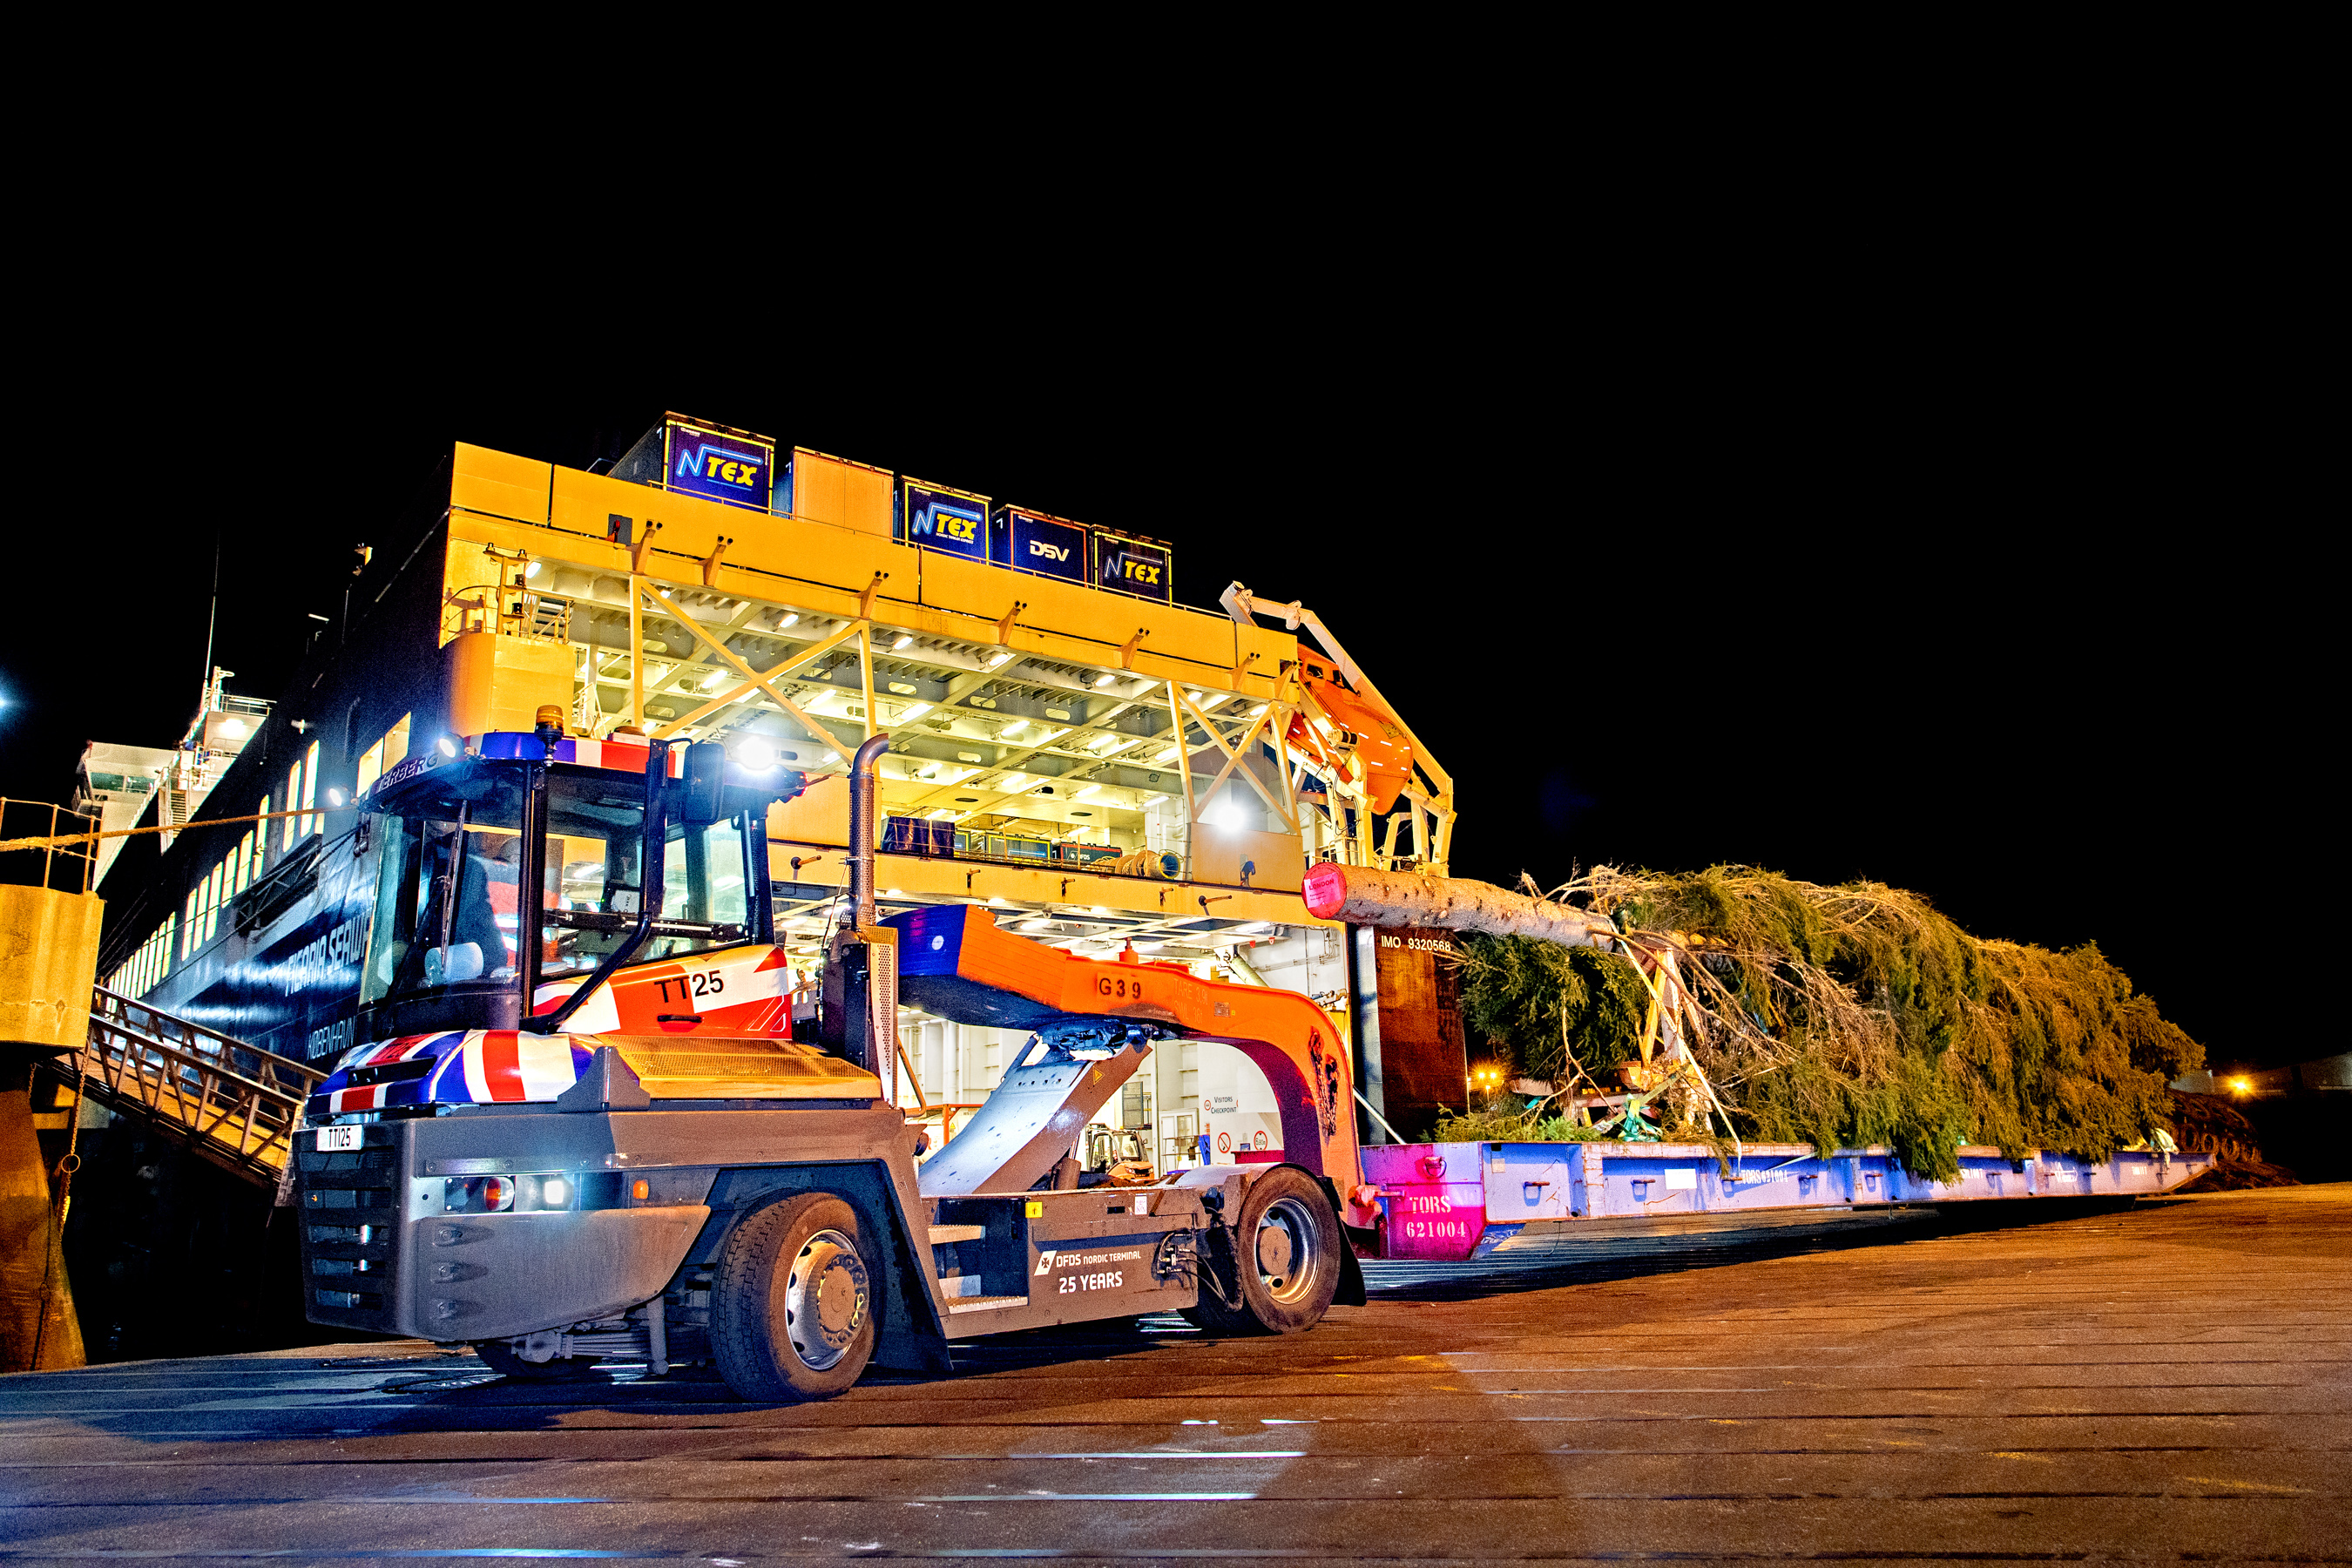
793	1303
1219	1280
1281	1260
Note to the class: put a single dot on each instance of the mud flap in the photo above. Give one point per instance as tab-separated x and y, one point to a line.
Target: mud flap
1351	1273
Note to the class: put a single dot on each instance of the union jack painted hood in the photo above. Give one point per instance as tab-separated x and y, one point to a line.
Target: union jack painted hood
459	1067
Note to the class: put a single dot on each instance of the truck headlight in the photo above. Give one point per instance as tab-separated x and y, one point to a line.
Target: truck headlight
509	1194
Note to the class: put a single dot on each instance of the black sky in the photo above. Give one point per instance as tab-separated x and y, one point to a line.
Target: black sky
1991	588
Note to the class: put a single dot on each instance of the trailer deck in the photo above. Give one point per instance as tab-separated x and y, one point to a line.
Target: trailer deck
1449	1201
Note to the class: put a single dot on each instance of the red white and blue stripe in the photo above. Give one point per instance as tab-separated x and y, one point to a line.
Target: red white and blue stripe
470	1067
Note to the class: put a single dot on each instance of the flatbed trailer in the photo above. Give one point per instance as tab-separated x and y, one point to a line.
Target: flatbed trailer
1449	1202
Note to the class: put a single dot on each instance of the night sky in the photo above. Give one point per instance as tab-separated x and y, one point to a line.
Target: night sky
1916	591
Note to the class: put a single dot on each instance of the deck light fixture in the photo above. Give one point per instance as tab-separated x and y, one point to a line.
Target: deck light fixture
905	639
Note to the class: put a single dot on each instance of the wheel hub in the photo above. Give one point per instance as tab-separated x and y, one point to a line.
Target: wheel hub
1285	1249
825	1299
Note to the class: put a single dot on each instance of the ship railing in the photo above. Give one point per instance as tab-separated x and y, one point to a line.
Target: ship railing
237	1104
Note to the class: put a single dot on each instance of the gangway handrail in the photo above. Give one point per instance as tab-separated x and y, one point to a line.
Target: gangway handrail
238	1104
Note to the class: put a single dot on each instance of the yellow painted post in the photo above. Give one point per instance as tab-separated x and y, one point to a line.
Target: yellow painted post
49	962
636	651
1184	771
39	1330
866	670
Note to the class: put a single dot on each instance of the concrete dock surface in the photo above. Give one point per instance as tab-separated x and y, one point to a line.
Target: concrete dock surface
2167	1381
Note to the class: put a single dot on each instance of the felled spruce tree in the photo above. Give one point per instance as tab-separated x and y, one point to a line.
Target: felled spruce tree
1836	1016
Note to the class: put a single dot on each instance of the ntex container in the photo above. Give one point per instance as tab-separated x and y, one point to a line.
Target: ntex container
1131	564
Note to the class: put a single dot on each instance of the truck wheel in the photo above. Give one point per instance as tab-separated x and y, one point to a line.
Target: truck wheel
792	1303
1288	1262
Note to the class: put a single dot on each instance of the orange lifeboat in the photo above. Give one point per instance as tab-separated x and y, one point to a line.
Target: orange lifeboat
1377	741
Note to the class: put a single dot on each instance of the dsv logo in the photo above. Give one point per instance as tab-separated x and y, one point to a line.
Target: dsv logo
720	465
1050	552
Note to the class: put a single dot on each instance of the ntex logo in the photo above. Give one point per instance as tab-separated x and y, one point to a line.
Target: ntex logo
720	465
949	522
1045	1262
1145	571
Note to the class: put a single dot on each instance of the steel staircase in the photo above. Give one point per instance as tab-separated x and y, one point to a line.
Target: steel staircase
235	1104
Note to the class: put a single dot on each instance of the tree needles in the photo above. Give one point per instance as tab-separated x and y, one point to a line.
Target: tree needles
1841	1018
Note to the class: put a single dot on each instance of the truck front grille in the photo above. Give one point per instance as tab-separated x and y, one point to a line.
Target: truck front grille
350	1202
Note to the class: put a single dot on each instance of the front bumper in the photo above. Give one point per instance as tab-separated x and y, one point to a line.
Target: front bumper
380	1255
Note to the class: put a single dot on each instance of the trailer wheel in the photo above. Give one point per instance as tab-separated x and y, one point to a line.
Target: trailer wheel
793	1303
1288	1264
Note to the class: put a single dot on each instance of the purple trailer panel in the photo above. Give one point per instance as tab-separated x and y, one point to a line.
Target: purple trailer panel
1447	1202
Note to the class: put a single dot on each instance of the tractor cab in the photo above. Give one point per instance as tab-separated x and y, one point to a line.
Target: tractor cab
511	875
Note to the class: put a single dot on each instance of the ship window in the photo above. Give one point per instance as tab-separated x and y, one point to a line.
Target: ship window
293	793
311	790
390	750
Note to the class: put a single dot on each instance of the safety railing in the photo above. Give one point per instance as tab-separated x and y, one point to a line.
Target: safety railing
237	1105
29	858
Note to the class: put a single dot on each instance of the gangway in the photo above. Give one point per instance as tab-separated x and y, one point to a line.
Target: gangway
234	1104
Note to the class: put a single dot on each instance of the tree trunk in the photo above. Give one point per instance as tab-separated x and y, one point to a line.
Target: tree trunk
1364	896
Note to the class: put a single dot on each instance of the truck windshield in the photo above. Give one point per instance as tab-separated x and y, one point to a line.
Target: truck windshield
446	907
594	843
448	911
